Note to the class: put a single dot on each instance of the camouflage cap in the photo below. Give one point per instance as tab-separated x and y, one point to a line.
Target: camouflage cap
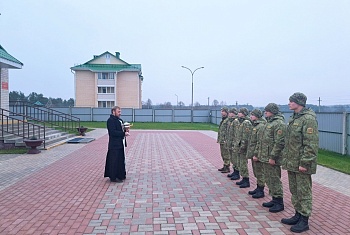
244	111
257	113
224	109
272	108
233	110
298	98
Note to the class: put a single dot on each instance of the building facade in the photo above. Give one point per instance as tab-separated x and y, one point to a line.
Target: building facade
7	62
106	81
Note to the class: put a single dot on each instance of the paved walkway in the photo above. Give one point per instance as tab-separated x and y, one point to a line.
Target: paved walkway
172	187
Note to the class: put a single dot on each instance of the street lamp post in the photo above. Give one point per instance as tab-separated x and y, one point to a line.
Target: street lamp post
177	100
192	87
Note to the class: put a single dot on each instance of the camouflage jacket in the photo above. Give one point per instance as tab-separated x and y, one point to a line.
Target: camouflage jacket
222	131
271	139
253	139
242	136
231	132
301	142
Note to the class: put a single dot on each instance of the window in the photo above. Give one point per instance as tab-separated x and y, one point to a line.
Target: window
105	104
106	75
105	90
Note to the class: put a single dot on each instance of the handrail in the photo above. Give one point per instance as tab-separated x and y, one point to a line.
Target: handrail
50	116
12	125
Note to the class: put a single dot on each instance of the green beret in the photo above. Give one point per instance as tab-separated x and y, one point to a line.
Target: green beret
233	110
224	109
257	113
298	98
244	111
272	108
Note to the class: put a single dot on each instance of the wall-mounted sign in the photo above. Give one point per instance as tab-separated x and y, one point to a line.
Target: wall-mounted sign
5	85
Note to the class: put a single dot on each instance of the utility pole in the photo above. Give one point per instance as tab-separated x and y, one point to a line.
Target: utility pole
319	104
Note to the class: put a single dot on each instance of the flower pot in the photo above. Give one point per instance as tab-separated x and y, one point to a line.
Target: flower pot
33	144
82	130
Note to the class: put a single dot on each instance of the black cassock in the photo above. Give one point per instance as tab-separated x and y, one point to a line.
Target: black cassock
115	160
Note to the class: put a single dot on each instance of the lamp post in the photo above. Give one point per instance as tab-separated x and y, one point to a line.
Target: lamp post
177	100
192	87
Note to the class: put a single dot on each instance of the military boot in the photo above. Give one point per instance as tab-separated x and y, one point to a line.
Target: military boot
254	191
293	220
302	225
226	169
232	174
270	203
236	176
260	193
246	183
221	169
277	206
240	182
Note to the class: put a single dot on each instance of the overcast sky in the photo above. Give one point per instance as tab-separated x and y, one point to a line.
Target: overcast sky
253	52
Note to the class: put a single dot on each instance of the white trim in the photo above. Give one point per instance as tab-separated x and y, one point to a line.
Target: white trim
11	64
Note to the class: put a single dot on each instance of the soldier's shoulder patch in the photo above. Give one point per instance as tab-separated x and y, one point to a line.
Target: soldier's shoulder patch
254	129
279	132
268	126
247	129
310	130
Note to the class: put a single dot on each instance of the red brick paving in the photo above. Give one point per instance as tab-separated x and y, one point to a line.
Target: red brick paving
172	186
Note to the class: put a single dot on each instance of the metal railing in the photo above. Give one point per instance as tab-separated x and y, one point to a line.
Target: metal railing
17	124
50	116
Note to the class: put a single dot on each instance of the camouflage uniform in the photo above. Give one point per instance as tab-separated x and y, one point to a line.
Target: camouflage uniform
231	136
270	145
301	149
222	135
257	166
241	145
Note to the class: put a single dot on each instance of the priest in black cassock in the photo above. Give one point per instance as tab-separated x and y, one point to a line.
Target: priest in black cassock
115	160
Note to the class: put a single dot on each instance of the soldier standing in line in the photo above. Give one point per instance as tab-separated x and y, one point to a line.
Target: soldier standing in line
269	148
300	160
222	141
231	139
258	122
241	146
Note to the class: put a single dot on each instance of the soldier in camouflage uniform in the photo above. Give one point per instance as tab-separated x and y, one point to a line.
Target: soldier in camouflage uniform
232	126
258	122
222	133
241	145
300	160
269	150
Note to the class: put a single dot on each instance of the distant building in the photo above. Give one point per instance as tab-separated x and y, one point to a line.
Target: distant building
7	62
106	81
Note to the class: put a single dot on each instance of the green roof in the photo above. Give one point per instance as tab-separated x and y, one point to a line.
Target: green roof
6	56
107	67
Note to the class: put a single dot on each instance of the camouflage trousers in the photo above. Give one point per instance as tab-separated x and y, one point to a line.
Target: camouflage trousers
233	159
243	165
225	154
258	170
273	179
300	186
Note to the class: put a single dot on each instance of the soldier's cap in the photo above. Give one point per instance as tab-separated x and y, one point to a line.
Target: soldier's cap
298	98
272	108
257	113
233	110
244	111
224	109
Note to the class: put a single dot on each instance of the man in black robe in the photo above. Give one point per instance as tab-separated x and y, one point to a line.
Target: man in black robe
115	160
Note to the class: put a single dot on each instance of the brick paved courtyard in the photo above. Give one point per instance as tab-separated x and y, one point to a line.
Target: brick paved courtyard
172	187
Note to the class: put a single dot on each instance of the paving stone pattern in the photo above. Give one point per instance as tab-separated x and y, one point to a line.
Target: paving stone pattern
172	187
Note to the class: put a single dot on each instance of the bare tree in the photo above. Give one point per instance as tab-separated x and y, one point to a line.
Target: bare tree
181	104
215	103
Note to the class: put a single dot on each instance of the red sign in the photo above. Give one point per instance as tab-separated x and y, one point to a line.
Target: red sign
5	85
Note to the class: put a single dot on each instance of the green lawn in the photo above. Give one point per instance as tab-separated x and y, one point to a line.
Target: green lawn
334	161
13	151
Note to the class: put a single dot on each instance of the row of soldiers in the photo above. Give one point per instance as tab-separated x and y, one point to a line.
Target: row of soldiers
269	143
